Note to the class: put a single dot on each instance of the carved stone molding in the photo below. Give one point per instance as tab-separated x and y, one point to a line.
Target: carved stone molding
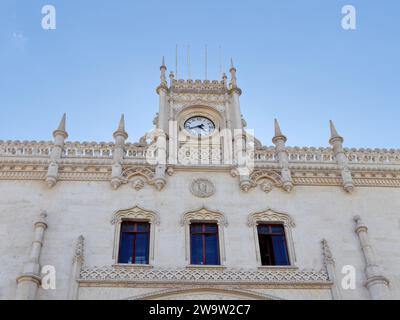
135	213
202	188
204	214
292	278
213	289
271	215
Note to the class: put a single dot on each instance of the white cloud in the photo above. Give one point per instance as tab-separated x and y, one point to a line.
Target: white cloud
19	40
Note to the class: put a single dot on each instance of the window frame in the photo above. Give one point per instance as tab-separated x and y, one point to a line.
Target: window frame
204	215
270	216
136	233
271	235
136	215
203	235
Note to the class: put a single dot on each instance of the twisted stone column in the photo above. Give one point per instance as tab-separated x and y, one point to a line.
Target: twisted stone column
30	279
376	283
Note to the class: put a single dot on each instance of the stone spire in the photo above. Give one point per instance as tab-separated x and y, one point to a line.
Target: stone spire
232	70
278	132
224	79
61	128
279	141
121	128
163	78
171	78
334	134
336	141
60	134
163	92
118	155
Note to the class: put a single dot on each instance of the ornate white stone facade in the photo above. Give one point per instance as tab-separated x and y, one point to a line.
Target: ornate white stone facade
62	204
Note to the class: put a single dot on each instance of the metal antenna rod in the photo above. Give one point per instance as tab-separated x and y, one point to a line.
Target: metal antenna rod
188	61
220	61
206	62
176	61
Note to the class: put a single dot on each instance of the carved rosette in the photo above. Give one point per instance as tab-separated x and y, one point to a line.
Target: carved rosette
202	188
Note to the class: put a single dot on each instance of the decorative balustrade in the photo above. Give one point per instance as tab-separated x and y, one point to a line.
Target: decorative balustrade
88	150
25	148
133	151
104	150
267	154
311	155
373	156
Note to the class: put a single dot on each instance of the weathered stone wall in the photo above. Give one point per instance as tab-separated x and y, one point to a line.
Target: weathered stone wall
86	208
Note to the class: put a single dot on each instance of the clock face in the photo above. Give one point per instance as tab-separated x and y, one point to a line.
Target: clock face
199	126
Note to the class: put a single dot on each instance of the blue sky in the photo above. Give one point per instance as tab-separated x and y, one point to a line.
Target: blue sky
294	62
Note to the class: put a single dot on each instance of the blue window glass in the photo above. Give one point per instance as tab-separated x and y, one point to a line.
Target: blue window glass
134	243
273	248
197	249
204	245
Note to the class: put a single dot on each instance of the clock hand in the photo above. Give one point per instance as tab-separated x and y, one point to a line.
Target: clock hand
198	126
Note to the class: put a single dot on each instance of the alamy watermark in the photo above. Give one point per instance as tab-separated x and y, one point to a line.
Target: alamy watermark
49	20
349	279
349	20
49	277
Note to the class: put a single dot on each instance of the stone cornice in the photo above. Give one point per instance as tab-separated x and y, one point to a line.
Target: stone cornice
92	161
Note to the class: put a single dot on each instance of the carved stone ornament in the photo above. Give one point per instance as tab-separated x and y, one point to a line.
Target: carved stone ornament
135	213
202	188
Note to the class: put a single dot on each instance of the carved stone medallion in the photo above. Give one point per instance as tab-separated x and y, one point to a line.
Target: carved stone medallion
202	188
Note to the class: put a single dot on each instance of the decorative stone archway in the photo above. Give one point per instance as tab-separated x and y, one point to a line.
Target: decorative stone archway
204	293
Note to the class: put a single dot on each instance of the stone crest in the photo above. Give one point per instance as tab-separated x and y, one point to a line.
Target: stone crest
202	188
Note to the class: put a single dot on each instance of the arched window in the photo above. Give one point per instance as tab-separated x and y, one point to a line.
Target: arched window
134	236
273	238
204	244
134	242
204	233
273	247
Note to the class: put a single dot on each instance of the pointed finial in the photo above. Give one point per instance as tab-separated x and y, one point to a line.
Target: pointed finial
163	63
163	78
334	134
61	128
232	66
121	128
278	133
62	123
224	79
233	83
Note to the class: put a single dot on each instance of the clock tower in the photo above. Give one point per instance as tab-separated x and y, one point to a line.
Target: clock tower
201	119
